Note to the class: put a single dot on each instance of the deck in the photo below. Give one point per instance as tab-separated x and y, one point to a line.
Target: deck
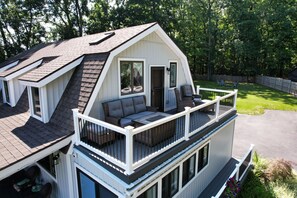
131	147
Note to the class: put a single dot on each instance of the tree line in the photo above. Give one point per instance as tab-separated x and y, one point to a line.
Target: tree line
234	37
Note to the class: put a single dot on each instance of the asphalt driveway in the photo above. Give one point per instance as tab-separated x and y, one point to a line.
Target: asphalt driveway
274	135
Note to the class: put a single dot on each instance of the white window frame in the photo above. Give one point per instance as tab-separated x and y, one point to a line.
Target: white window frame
173	61
208	158
119	77
54	178
10	92
43	104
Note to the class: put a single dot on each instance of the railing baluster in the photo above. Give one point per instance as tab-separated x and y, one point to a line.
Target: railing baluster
187	122
218	98
76	127
129	149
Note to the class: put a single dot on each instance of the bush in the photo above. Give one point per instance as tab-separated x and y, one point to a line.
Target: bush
260	165
279	170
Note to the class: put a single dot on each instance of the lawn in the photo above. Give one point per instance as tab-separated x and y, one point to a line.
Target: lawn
253	99
256	186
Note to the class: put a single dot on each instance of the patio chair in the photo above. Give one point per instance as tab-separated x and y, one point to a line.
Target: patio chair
29	180
181	103
187	94
40	192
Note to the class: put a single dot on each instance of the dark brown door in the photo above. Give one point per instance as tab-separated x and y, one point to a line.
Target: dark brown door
157	87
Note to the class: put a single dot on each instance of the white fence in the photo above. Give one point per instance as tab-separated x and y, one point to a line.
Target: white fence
185	121
239	171
280	84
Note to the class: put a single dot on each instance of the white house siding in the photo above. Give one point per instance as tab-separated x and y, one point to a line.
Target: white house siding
220	154
55	90
18	89
154	52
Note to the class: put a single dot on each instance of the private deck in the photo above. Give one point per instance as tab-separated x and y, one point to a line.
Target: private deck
131	147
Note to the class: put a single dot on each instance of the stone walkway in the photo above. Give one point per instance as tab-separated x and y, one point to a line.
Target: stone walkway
274	135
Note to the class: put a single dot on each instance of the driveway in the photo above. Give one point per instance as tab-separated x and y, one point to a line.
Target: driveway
274	135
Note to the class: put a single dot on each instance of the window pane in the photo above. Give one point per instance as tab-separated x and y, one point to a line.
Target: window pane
87	187
131	77
173	68
189	169
203	157
170	183
6	91
104	192
138	77
150	193
126	84
36	101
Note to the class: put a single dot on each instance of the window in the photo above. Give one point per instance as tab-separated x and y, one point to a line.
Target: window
203	157
89	188
170	183
36	101
152	192
48	163
131	77
5	85
173	71
189	169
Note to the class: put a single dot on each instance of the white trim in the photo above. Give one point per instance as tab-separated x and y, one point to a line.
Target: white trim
54	75
31	104
150	85
9	66
33	158
96	179
119	76
43	104
208	157
24	70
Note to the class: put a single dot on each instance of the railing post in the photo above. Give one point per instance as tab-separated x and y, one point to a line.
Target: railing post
129	150
187	123
218	98
197	89
237	172
235	98
76	126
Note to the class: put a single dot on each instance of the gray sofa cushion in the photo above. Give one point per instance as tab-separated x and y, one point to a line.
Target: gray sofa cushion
128	106
139	104
115	109
126	122
139	115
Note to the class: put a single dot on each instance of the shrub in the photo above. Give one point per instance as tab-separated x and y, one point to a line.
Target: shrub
232	188
260	165
279	170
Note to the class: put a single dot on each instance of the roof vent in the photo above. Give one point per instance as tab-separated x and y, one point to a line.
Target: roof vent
102	38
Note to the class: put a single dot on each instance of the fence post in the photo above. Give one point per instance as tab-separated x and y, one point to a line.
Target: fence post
197	89
218	98
129	149
235	98
187	123
76	127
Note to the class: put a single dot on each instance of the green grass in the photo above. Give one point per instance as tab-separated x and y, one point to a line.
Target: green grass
253	99
255	185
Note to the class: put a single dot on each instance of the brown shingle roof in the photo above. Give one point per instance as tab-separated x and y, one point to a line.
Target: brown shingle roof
22	135
70	50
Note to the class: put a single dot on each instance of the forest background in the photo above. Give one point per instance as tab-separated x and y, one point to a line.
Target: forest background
233	37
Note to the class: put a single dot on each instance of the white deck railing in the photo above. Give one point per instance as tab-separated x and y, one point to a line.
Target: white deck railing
245	163
125	158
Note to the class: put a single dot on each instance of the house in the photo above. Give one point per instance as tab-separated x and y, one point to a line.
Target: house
77	109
